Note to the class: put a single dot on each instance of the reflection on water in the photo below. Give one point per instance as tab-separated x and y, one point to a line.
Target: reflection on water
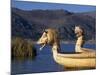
43	62
40	64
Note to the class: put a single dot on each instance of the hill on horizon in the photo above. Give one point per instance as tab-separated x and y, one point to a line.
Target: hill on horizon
30	24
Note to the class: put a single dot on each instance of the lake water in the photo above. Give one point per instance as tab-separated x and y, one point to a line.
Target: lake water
43	62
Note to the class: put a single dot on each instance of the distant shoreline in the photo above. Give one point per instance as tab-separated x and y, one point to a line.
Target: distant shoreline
73	42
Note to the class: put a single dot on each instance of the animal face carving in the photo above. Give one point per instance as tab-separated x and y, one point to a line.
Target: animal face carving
43	39
78	31
49	36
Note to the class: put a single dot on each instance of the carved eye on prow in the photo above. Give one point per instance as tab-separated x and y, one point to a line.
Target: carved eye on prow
46	31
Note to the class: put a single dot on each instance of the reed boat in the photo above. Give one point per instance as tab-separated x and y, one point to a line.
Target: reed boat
81	59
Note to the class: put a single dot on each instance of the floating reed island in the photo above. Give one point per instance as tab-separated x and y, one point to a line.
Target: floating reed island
83	58
22	48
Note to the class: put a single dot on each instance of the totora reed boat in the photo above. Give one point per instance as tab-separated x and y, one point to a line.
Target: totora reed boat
83	58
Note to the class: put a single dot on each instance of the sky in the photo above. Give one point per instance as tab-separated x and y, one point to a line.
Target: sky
51	6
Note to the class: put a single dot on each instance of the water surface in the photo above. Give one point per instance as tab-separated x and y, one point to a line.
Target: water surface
43	62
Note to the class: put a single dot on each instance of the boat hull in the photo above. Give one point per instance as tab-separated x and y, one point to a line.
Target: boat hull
84	60
77	62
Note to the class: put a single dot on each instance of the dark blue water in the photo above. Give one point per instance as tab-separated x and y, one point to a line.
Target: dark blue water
43	62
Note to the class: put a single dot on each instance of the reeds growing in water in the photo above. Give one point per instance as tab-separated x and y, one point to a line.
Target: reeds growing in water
22	48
